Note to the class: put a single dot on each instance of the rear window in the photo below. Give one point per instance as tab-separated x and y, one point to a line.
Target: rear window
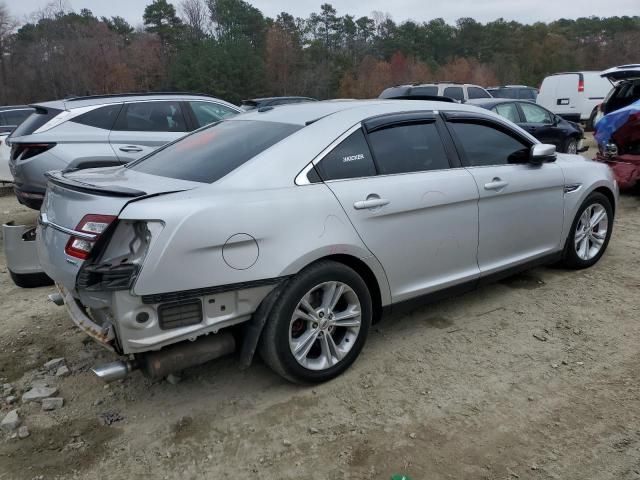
208	155
35	121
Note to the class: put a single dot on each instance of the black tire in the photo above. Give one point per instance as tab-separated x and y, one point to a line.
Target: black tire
571	258
31	280
592	120
571	141
274	343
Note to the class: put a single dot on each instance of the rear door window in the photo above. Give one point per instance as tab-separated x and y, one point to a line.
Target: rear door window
210	154
454	92
210	112
475	92
159	116
535	114
408	148
431	90
486	145
350	159
508	111
101	117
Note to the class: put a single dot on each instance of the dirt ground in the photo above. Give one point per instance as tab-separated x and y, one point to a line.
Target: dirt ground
457	390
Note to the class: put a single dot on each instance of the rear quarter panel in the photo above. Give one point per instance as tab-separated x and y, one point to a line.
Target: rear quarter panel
292	227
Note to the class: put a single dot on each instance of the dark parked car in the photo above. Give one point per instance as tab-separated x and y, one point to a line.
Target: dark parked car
11	117
538	121
254	103
519	92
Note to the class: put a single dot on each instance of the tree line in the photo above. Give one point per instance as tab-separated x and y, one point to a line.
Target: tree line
229	49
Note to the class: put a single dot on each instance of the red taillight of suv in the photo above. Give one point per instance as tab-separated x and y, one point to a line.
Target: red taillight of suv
80	246
581	85
24	151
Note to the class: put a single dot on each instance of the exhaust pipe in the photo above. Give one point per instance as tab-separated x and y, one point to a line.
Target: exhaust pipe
57	299
173	358
110	372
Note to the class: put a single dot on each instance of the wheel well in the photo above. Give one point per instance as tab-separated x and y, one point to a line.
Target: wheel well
367	275
609	194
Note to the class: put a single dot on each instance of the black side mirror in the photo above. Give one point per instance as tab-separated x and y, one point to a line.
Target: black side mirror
542	153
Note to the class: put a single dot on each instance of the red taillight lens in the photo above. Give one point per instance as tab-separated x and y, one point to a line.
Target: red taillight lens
581	85
94	224
24	151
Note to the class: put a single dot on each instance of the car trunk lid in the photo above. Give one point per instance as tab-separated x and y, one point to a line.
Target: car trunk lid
101	192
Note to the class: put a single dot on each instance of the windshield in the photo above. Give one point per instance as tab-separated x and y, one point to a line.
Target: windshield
209	154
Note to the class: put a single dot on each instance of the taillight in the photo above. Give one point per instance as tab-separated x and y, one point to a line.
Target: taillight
80	247
581	85
24	151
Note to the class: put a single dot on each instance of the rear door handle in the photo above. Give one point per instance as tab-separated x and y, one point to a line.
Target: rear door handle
130	149
495	184
370	203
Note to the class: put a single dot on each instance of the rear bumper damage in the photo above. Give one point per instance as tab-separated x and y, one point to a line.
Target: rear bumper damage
103	334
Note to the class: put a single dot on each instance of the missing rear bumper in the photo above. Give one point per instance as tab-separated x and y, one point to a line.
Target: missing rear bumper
103	334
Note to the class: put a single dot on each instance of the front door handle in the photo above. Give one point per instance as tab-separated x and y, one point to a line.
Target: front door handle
495	184
371	202
130	149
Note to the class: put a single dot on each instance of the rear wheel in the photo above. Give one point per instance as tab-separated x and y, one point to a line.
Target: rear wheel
590	232
319	324
30	280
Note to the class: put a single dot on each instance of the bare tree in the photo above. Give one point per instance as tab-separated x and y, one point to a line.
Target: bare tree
195	15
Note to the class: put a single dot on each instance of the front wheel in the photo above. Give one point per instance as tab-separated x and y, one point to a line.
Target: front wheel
319	324
571	146
590	232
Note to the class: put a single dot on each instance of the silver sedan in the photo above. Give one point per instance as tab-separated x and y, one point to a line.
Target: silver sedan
290	230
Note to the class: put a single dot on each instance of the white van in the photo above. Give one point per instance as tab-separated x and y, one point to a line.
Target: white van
573	95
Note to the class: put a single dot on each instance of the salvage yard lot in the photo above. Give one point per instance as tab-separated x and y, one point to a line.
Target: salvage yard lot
535	377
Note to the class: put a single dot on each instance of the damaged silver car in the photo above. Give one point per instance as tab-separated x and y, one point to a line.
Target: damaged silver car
290	230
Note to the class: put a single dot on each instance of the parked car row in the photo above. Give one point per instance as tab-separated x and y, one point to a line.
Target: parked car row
102	130
178	231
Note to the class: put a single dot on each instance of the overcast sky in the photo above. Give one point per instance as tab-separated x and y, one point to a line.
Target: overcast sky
526	11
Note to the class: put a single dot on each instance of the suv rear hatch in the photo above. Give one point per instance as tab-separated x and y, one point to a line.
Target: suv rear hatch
623	72
84	206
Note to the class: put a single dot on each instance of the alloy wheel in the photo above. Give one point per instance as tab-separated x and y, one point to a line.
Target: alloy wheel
325	325
591	231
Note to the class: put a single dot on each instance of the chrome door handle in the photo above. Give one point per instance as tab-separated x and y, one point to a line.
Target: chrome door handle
495	184
130	149
370	203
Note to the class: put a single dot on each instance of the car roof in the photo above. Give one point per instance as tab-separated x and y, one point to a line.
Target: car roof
433	84
490	102
14	107
307	113
511	86
269	99
77	102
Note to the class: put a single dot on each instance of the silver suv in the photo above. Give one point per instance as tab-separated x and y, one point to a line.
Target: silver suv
292	228
100	131
460	92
